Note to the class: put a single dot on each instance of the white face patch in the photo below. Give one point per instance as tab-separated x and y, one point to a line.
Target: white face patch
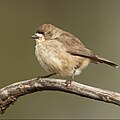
39	35
40	38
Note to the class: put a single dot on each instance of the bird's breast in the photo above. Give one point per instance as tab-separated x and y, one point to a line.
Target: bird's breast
47	55
53	58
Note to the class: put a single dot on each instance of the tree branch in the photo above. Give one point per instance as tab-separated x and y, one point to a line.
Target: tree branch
9	94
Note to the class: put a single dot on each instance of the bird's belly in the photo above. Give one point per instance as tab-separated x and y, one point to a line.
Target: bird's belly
58	61
48	59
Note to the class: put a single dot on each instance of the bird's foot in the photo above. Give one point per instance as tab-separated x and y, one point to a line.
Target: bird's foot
68	83
46	76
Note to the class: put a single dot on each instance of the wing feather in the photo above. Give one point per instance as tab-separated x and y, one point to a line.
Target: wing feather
74	46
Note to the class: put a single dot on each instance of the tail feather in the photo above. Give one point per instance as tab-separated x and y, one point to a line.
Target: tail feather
103	60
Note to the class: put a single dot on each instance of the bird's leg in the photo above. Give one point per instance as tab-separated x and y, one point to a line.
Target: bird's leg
68	82
46	76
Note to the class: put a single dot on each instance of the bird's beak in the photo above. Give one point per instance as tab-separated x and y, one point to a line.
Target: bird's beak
34	37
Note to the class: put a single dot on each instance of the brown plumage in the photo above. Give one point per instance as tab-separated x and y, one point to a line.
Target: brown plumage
62	53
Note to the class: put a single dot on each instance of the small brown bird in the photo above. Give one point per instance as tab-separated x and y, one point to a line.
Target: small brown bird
61	53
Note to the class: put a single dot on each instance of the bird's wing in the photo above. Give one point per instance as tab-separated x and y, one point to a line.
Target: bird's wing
74	46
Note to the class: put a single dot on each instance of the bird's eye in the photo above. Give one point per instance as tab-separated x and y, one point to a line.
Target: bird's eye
40	32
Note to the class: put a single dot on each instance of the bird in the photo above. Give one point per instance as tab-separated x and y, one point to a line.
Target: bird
62	53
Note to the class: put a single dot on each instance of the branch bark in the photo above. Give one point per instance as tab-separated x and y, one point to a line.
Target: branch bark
9	94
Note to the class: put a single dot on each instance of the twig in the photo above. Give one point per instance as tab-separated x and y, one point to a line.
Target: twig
9	94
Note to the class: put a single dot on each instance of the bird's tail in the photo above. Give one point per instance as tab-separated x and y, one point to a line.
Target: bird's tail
103	60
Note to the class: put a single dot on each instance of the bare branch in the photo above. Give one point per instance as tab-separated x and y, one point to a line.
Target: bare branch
9	94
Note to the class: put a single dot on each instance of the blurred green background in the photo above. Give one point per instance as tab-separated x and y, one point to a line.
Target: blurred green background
95	22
